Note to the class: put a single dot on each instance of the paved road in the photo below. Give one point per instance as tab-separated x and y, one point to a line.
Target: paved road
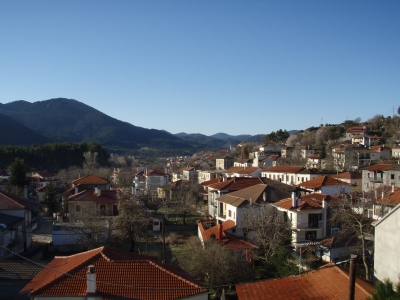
43	232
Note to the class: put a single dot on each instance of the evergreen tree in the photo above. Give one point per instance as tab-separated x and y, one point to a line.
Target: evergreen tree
17	179
386	291
51	201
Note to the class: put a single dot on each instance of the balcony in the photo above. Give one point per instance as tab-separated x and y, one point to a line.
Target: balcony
376	180
222	216
306	226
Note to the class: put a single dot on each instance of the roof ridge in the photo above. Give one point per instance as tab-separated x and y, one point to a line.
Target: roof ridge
158	265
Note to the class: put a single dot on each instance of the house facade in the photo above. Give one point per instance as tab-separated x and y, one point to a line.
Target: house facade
386	246
147	181
23	208
307	218
97	201
11	235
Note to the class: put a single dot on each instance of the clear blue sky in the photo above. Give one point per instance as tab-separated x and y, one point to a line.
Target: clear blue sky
239	67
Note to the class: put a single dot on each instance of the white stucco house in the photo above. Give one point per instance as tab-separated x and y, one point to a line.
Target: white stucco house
386	248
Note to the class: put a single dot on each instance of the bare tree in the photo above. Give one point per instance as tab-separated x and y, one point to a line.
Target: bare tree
294	139
90	162
132	220
350	215
321	136
189	198
213	264
92	229
269	230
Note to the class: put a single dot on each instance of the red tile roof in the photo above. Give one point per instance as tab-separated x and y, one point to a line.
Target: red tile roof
306	204
284	169
357	129
235	184
391	199
89	179
378	167
12	202
348	175
321	181
329	283
106	197
229	240
119	275
381	148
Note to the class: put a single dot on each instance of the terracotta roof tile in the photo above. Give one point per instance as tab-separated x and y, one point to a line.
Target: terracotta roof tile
121	276
229	240
90	179
378	167
12	202
306	204
321	181
329	283
106	197
235	184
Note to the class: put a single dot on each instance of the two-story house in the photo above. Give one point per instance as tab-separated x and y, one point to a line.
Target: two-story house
289	174
306	215
235	205
355	131
325	185
97	201
171	190
147	181
11	235
23	208
224	163
220	186
270	148
373	176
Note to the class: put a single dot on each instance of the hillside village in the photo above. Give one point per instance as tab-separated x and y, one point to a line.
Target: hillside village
292	208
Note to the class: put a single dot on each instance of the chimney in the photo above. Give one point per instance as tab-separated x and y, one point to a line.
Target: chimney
392	188
91	280
352	276
294	202
251	201
324	217
265	197
76	190
98	192
219	237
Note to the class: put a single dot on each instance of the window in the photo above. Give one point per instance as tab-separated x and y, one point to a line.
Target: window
369	175
334	230
229	213
156	223
311	235
313	220
102	209
391	176
77	208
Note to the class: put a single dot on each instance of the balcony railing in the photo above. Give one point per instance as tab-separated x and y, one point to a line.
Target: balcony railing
307	226
222	216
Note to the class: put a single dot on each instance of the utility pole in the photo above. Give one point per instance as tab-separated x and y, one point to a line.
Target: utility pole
352	276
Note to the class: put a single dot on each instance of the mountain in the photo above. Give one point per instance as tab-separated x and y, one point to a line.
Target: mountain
224	136
14	133
205	140
68	120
